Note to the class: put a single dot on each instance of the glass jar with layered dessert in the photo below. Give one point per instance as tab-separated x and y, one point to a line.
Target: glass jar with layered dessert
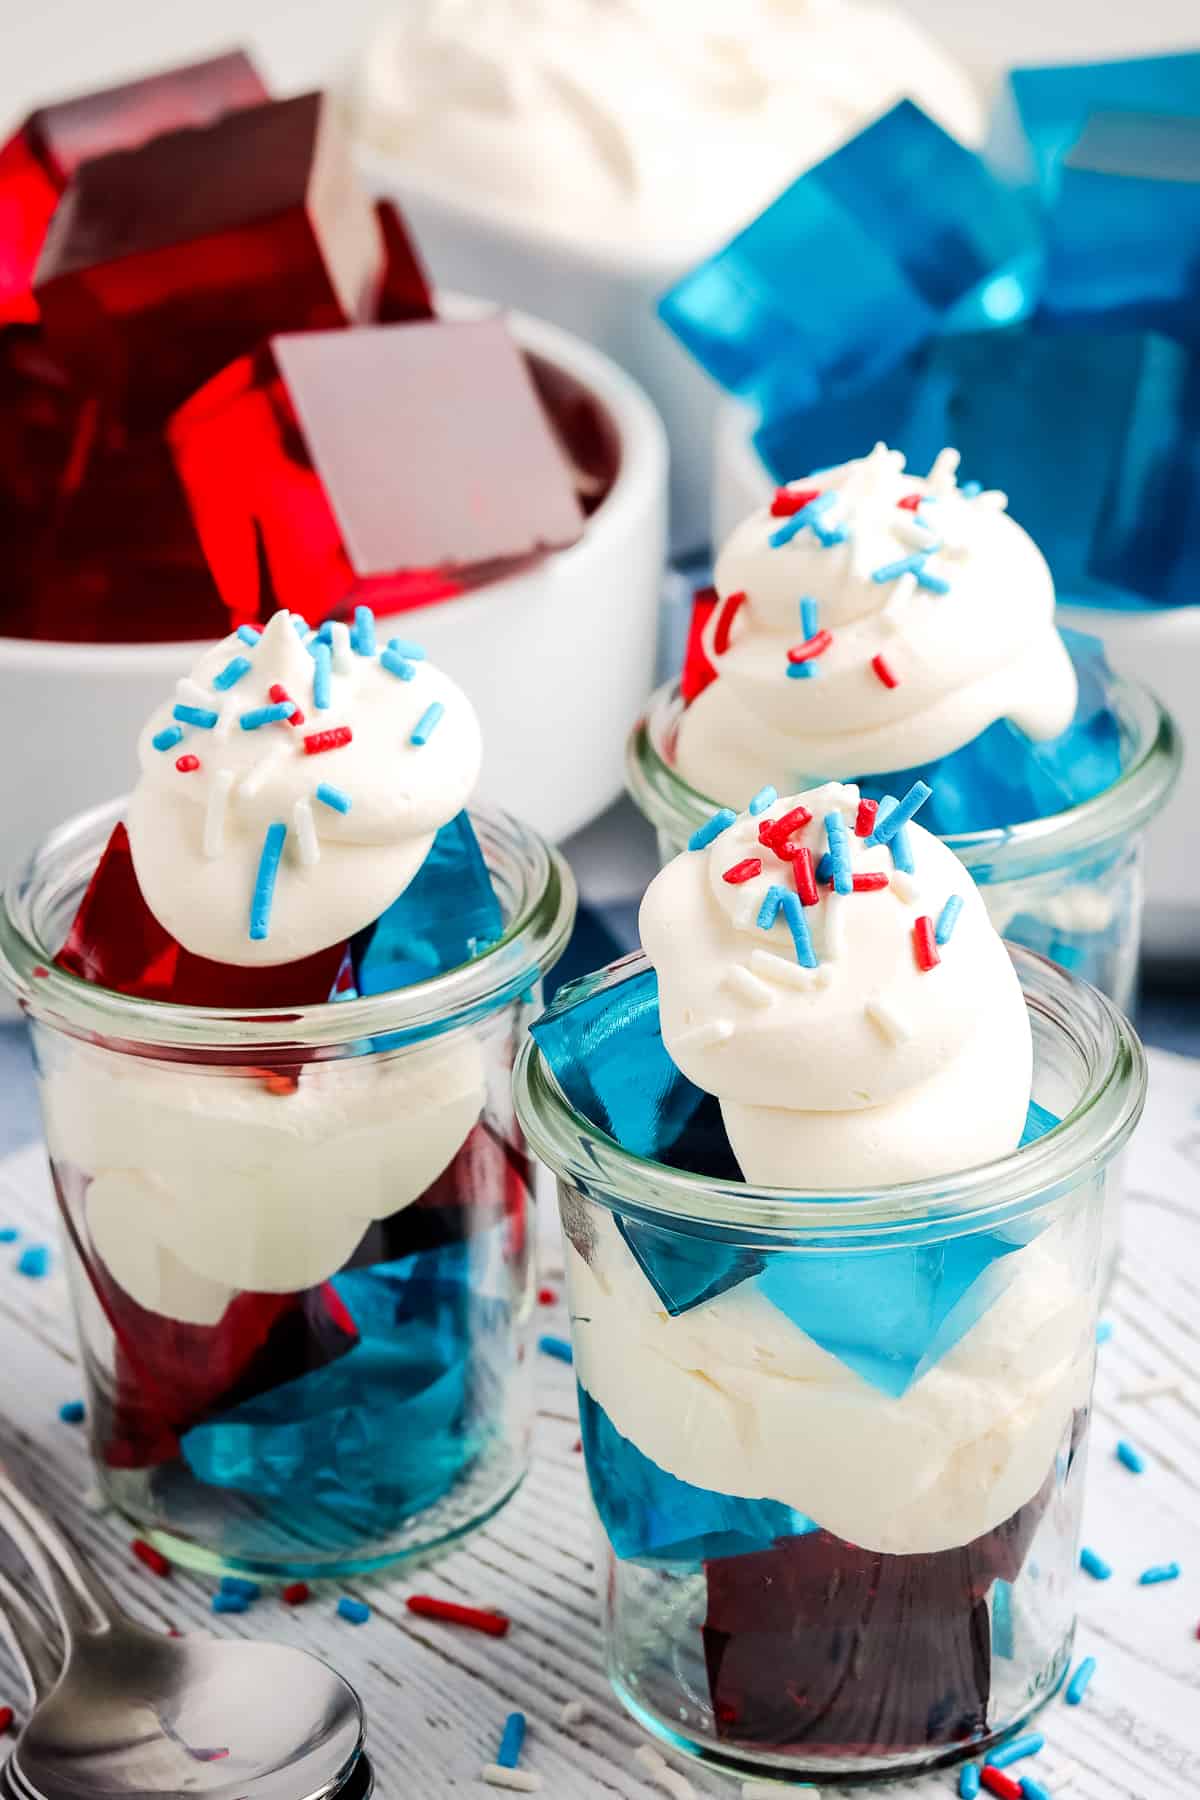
832	1181
275	1001
875	625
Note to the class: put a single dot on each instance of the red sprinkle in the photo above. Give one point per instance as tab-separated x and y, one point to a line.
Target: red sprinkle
578	1444
806	877
743	871
864	822
885	672
295	1593
6	1718
546	1296
925	945
911	502
185	764
317	741
813	646
41	971
279	694
997	1782
494	1623
724	625
153	1559
870	884
774	833
789	500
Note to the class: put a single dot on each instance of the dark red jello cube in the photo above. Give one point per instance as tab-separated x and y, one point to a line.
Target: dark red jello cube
165	262
40	158
387	466
698	671
404	294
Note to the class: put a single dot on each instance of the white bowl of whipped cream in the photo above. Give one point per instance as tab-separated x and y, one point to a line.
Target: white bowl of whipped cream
575	157
1159	648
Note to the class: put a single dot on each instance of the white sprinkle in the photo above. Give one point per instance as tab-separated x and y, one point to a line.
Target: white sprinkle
904	886
942	477
834	919
890	1024
703	1037
521	1781
663	1775
787	974
342	656
748	987
192	693
913	532
253	783
574	1713
306	834
214	818
770	1790
993	498
1151	1390
95	1500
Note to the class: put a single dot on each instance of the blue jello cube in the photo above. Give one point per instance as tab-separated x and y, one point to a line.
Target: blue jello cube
1123	233
1041	112
901	232
446	915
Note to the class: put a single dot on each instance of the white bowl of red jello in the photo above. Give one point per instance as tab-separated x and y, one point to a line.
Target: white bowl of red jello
251	400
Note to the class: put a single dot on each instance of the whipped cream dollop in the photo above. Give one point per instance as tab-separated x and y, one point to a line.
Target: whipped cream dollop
293	785
869	620
846	1044
605	119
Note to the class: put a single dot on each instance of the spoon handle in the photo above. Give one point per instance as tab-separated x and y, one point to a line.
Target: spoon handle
82	1605
32	1638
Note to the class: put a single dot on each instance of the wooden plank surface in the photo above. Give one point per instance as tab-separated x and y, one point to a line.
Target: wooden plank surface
436	1697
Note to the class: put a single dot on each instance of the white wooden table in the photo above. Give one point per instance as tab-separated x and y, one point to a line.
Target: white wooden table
436	1696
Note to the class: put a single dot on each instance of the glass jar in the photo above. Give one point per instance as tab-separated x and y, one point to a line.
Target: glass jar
1068	886
836	1442
299	1243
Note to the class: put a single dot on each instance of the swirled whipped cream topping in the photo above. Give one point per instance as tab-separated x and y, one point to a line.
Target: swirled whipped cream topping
598	119
828	970
293	785
869	620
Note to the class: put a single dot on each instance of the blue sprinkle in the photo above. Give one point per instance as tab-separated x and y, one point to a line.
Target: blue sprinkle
403	647
196	715
839	853
558	1347
1094	1565
824	869
802	671
810	614
357	1612
167	738
797	924
907	565
829	535
395	664
249	634
509	1753
1031	1789
935	583
712	828
325	633
808	515
969	489
362	632
426	725
1104	1331
1077	1687
889	822
1159	1573
264	882
230	1603
333	796
902	855
947	919
321	673
9	1234
968	1781
266	715
34	1261
1132	1459
232	672
72	1412
238	1584
1016	1749
768	912
299	625
765	797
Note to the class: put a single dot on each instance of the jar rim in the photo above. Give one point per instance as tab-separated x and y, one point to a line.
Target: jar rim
533	940
1000	853
989	1195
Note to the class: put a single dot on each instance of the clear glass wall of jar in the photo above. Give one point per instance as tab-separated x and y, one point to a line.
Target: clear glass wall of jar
840	1491
299	1243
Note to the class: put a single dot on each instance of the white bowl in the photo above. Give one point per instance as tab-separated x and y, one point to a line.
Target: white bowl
1160	649
557	659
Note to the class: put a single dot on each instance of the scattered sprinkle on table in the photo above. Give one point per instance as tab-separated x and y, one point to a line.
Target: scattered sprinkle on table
230	1603
239	1585
968	1781
34	1261
295	1593
574	1712
6	1718
547	1296
72	1412
1159	1573
556	1346
1094	1565
663	1775
521	1781
998	1783
1104	1331
1033	1790
355	1612
511	1741
1017	1749
9	1234
427	1607
1080	1681
1130	1458
154	1559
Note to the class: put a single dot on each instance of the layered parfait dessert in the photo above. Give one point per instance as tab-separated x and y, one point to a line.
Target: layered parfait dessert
832	1224
873	624
274	1052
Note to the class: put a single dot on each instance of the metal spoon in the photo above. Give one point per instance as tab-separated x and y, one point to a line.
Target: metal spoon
142	1716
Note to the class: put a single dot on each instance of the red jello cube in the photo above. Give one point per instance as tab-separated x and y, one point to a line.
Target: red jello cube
40	158
698	671
388	466
116	942
165	262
